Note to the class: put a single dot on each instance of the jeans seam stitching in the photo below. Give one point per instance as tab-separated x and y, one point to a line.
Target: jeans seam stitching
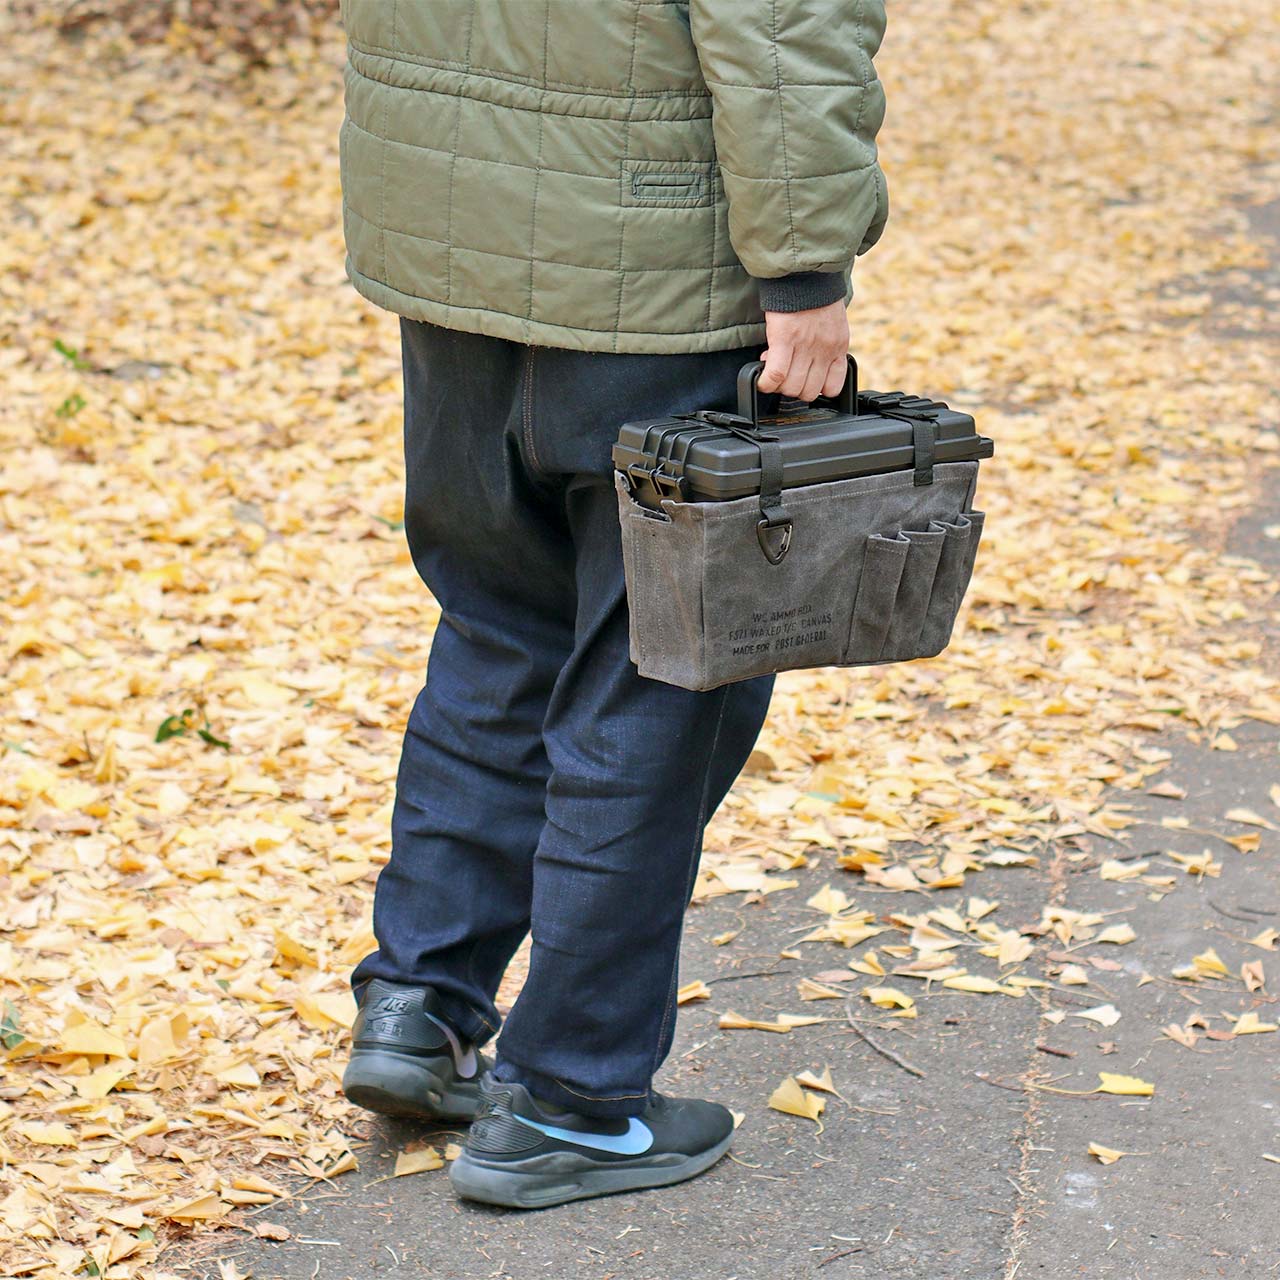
701	822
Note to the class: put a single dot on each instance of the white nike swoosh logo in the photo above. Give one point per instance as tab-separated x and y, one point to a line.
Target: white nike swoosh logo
635	1142
465	1064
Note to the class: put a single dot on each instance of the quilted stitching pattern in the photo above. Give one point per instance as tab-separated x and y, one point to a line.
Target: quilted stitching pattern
606	176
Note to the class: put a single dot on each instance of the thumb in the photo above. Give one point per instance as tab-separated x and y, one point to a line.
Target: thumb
777	361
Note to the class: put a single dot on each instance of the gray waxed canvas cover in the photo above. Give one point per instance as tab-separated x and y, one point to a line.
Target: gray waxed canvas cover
875	572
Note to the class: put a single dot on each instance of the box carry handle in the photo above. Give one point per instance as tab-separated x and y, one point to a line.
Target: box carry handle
845	400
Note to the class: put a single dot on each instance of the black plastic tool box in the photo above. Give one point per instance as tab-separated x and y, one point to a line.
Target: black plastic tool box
712	456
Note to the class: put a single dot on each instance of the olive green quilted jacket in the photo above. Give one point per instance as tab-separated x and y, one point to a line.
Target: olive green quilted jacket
610	175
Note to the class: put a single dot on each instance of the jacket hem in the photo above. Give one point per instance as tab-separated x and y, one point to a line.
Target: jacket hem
514	328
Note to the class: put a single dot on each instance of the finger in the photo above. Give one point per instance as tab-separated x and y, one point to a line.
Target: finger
813	382
776	367
835	377
797	376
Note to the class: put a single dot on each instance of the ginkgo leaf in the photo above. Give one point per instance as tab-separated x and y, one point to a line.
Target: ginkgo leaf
1127	1086
197	1209
809	989
792	1100
1250	817
823	1082
696	990
422	1160
830	900
1105	1015
979	985
888	997
800	1019
1250	1024
731	1021
1117	933
1105	1155
1209	964
869	963
1111	869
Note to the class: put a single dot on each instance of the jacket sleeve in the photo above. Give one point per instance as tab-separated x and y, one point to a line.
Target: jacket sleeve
796	106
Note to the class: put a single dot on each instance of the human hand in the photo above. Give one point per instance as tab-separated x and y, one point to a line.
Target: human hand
806	353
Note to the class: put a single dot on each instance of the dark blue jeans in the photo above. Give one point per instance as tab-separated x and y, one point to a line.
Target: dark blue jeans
544	785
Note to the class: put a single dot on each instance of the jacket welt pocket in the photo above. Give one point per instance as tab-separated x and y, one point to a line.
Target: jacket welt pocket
676	184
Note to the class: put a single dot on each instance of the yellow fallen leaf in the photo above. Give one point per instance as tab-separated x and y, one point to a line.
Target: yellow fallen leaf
90	1038
330	1009
697	990
868	964
1013	949
1197	864
1073	975
792	1100
730	1021
1183	1035
1112	869
1208	963
1267	939
979	907
241	1075
1105	1015
1117	933
888	997
172	800
895	877
1105	1155
1126	1086
1250	817
822	1082
723	939
978	985
290	949
420	1161
51	1135
1249	1024
830	900
799	1019
1252	973
97	1084
197	1209
252	1182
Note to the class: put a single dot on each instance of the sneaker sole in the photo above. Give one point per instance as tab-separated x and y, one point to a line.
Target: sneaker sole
543	1181
401	1085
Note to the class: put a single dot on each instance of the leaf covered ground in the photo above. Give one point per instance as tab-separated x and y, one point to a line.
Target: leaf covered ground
212	633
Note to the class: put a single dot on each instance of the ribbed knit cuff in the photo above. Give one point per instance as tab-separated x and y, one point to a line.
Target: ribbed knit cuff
801	291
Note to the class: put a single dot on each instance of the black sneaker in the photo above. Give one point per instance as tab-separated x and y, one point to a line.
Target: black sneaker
407	1061
525	1154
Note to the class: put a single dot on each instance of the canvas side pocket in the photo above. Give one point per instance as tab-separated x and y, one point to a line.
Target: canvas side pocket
924	547
883	562
664	599
955	566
